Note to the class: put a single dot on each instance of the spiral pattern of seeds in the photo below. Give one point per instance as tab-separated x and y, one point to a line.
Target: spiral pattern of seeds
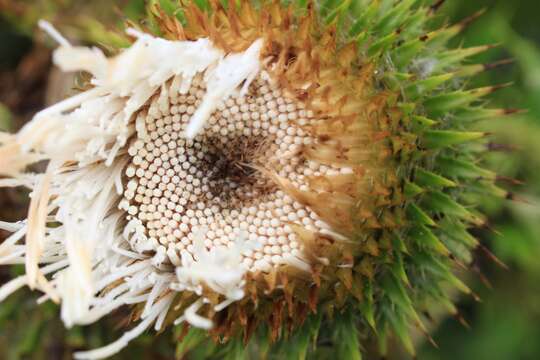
178	187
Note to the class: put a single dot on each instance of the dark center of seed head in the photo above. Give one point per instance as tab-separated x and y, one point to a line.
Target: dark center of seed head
231	168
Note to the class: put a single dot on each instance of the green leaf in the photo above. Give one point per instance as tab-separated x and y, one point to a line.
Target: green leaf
440	202
168	7
347	344
479	113
393	18
6	120
234	350
394	80
30	337
425	237
457	168
367	307
382	45
431	180
398	244
456	230
453	57
193	339
418	216
423	86
411	189
405	53
398	269
436	139
338	11
399	327
423	122
439	269
449	101
364	16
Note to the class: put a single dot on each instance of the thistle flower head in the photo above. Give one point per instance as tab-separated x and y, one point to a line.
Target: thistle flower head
245	165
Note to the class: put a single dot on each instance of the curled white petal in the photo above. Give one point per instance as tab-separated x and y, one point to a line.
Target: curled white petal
223	80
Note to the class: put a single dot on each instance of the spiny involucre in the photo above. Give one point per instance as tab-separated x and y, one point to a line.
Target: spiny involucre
263	172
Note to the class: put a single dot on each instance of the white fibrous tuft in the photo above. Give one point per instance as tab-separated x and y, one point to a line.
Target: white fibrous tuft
77	228
220	269
225	78
170	175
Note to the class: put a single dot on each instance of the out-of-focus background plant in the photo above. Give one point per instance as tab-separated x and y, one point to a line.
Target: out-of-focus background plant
504	325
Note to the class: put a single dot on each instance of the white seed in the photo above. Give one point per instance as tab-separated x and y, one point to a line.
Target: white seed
175	186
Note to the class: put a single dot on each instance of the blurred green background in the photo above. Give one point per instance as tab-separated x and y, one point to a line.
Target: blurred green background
505	325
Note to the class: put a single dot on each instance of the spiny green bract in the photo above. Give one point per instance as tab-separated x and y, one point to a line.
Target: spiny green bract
441	177
437	157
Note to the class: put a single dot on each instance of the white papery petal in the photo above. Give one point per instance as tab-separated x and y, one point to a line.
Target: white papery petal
75	229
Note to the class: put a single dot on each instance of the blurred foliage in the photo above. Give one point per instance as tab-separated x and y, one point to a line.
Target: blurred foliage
27	332
93	22
5	118
504	325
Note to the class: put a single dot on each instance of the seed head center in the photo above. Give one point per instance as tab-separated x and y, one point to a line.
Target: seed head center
178	188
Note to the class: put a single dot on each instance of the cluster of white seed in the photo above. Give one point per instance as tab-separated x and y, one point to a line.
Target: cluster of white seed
176	187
